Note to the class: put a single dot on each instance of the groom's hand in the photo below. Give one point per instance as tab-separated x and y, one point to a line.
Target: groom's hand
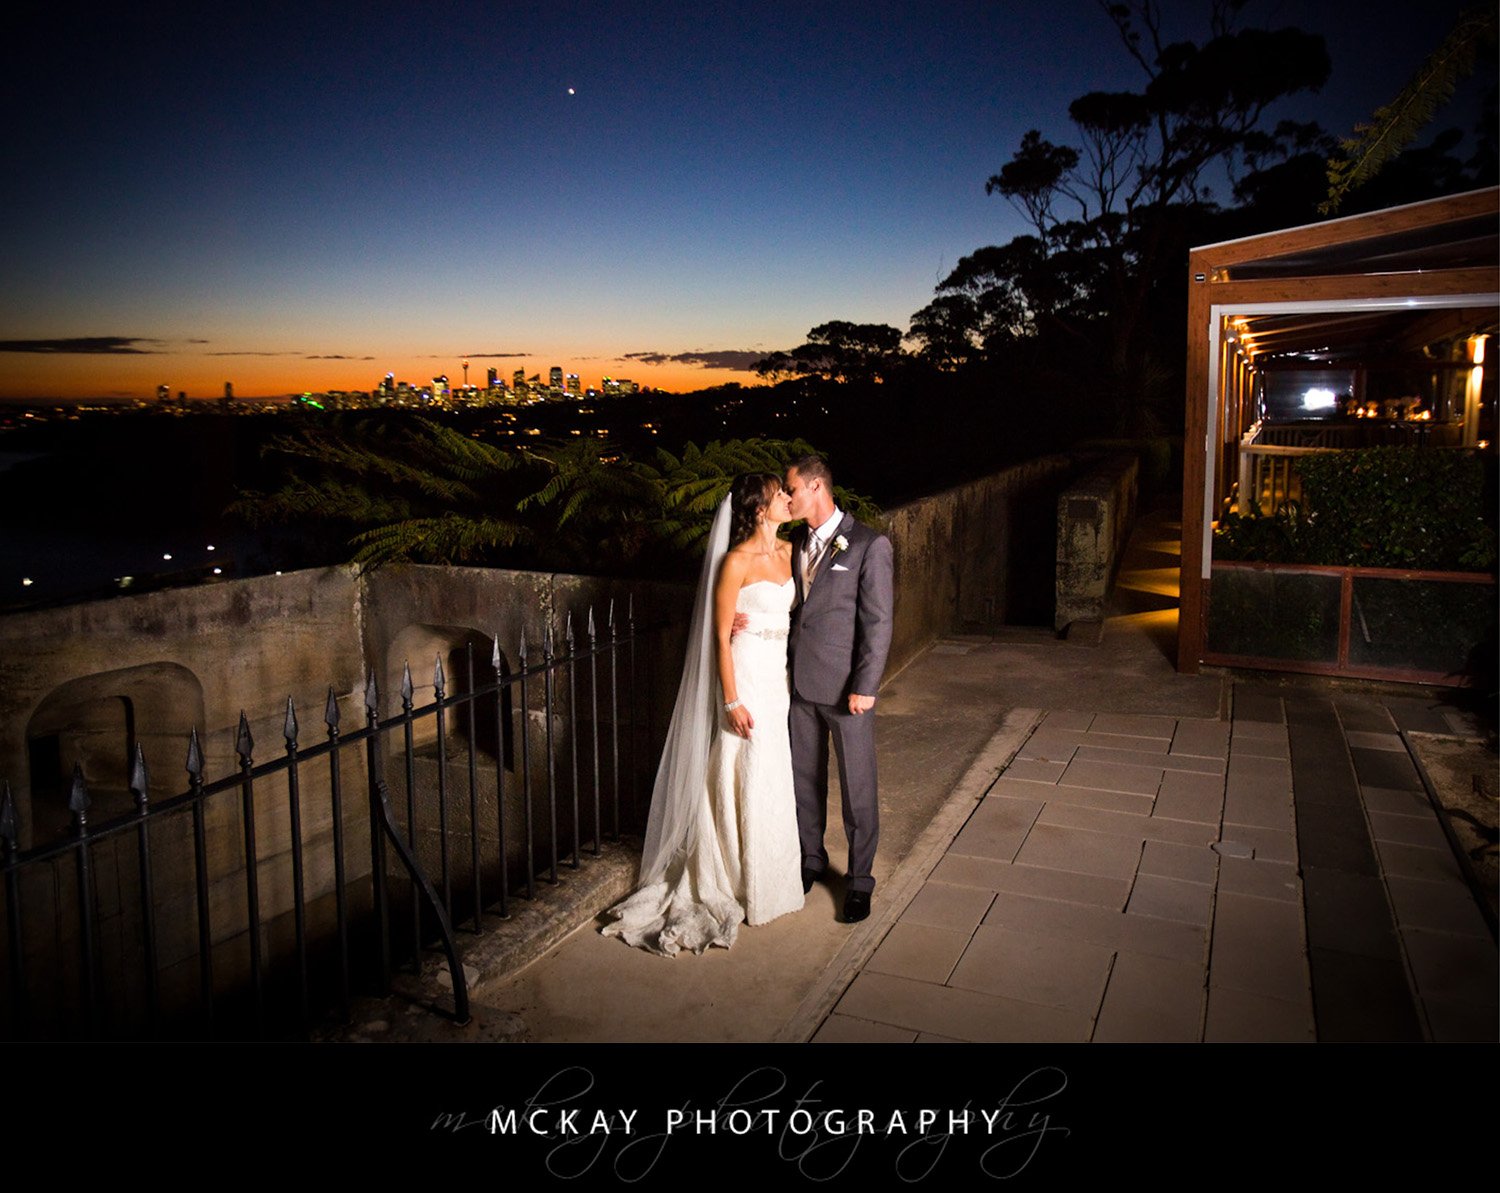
739	623
859	704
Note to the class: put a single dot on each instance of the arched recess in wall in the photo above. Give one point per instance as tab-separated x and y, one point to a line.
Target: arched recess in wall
97	721
420	646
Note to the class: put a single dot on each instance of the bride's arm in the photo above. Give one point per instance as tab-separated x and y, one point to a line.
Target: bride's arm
726	593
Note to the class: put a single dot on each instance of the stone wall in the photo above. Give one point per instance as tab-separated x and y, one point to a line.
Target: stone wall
1094	517
976	556
83	682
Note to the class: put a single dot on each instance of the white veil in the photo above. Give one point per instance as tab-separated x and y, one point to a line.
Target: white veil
684	898
677	796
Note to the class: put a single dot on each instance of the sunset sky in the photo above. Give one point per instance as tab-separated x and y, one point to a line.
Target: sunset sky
308	196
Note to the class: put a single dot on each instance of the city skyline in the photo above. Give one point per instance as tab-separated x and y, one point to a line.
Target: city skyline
301	198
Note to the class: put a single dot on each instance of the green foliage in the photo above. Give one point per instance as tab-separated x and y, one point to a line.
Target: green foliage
423	493
1396	124
1396	507
407	490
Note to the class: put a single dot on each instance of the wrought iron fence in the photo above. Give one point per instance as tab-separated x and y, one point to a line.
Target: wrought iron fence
185	939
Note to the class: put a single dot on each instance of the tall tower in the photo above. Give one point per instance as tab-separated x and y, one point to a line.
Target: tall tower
555	379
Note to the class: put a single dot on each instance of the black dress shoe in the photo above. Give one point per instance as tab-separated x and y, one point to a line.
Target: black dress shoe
808	878
856	906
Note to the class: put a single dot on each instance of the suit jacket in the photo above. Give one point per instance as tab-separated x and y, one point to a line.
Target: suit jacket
841	626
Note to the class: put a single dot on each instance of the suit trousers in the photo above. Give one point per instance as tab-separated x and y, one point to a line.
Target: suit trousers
812	725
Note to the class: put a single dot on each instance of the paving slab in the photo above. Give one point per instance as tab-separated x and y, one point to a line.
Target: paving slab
845	1029
1348	912
1397	802
1242	730
1064	718
916	950
1237	1016
1261	746
1104	801
1200	808
1127	824
1375	741
997	828
1157	762
938	905
1413	861
1258	946
1460	968
1417	715
1195	863
1252	706
1111	776
1260	877
1034	968
960	1014
1049	747
1381	768
1408	830
1208	739
1171	899
1188	783
1359	714
1360	999
1440	905
1080	851
1089	890
1267	809
1248	770
1335	837
1036	770
1270	844
1453	1021
1151	1000
1133	726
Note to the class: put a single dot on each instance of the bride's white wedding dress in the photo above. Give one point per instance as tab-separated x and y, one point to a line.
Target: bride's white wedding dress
739	858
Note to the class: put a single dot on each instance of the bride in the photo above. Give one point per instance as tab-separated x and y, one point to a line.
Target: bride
721	840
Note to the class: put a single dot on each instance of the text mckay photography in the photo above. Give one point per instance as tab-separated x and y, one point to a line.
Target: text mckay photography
577	1122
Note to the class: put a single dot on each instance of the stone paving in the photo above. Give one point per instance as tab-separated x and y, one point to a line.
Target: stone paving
1280	876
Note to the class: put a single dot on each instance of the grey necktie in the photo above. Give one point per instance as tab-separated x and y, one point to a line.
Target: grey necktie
811	556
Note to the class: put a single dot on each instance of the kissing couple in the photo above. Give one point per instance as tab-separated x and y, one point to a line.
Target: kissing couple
786	648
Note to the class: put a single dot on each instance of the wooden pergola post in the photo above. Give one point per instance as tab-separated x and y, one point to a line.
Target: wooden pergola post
1317	267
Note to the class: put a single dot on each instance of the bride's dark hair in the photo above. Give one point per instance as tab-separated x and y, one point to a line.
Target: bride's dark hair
748	496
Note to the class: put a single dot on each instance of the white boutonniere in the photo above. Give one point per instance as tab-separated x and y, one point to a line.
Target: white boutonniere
840	543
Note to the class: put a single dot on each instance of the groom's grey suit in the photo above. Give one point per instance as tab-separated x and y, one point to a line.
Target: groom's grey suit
840	636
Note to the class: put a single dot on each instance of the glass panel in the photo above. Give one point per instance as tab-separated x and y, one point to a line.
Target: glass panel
1421	625
1274	614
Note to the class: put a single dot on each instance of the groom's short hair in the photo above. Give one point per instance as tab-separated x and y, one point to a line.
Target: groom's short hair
813	466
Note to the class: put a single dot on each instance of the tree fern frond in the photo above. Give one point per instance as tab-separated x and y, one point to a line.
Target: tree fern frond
1396	124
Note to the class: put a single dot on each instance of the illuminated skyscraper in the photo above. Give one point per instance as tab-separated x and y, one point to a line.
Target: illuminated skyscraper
575	387
555	379
493	380
163	393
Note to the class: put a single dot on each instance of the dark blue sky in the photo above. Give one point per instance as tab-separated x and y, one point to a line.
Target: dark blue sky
242	193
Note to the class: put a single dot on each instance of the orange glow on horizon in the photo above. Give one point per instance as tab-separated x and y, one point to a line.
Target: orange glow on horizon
125	375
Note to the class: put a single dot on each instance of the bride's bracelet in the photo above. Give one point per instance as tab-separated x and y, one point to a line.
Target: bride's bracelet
732	705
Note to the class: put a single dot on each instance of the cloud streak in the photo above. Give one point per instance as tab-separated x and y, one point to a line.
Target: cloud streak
83	346
724	358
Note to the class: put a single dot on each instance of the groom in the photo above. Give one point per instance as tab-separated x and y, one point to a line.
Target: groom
840	635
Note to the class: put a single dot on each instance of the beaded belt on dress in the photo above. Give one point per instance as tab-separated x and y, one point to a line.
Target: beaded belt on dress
778	635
